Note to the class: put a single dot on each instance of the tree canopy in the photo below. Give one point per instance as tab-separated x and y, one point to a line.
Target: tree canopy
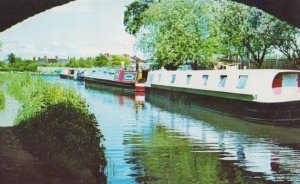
246	31
133	18
287	40
176	31
173	32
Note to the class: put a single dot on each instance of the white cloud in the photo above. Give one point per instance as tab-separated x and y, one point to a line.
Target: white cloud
81	28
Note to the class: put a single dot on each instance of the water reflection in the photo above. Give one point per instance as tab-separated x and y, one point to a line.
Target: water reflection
241	141
154	141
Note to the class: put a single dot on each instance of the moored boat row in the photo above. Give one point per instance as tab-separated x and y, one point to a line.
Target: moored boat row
73	73
265	96
125	79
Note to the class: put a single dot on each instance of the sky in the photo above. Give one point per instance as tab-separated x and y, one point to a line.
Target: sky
82	28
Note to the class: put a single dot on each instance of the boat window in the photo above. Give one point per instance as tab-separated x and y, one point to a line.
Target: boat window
222	80
173	78
151	77
204	79
277	81
277	84
159	78
188	79
128	76
290	80
116	77
242	81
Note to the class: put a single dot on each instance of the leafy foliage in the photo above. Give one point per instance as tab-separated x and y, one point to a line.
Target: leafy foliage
132	16
176	32
101	61
2	78
173	32
2	100
12	58
67	140
80	63
2	96
18	64
287	40
118	60
246	31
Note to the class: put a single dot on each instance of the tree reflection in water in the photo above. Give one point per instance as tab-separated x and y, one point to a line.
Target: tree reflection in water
166	157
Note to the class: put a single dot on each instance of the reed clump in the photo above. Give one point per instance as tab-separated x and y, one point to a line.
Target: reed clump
55	125
2	96
2	100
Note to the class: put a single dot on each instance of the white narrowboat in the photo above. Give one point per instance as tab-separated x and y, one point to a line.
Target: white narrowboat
68	73
124	79
265	96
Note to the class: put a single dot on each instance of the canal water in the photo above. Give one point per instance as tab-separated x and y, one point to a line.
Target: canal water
153	141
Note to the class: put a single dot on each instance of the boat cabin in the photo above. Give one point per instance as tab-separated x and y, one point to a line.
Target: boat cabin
263	85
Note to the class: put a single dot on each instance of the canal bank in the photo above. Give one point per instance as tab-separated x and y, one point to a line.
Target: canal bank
46	140
10	111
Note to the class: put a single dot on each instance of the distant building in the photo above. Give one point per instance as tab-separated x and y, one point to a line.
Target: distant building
143	64
52	60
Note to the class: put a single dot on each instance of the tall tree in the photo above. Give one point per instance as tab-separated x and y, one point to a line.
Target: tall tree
287	40
12	58
132	16
246	31
176	31
133	19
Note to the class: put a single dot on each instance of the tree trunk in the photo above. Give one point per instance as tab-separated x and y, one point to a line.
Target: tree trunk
258	63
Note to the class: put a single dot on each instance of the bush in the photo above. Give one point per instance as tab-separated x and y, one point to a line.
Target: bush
55	125
67	140
2	97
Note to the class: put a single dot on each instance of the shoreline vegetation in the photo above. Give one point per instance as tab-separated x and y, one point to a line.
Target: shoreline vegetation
55	126
2	96
2	100
17	64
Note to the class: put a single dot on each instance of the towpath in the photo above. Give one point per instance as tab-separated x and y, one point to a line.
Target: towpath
9	114
17	166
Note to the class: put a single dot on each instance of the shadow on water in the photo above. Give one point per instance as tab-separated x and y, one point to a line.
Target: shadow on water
282	135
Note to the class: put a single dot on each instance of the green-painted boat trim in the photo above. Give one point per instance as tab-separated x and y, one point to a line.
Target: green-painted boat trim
245	97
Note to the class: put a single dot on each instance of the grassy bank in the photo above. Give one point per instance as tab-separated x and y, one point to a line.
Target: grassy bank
2	97
2	100
55	125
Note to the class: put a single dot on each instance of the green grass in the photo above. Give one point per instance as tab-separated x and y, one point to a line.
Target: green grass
36	95
2	77
2	96
2	100
55	125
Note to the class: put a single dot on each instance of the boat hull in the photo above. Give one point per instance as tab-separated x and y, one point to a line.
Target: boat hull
106	82
65	76
283	113
80	78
